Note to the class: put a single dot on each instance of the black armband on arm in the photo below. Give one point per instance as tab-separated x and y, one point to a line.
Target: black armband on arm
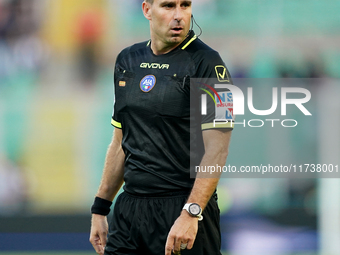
101	206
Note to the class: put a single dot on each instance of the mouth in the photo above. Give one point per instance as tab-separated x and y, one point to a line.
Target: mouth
177	29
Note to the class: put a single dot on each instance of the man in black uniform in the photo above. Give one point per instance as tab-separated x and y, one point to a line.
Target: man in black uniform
162	210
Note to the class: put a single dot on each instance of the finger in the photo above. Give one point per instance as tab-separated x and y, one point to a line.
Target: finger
93	240
191	239
103	239
102	250
169	245
190	243
97	245
177	245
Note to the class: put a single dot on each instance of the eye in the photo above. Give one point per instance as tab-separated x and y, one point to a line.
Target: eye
186	4
168	5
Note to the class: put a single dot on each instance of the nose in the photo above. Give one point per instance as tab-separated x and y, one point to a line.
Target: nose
178	14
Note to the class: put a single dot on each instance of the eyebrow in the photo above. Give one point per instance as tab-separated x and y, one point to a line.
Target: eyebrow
171	2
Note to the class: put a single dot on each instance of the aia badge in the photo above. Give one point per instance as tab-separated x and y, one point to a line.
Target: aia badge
147	83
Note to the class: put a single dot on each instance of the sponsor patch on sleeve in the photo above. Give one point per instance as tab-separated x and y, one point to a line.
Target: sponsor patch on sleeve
224	107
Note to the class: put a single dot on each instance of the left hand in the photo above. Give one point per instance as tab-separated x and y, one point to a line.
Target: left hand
183	231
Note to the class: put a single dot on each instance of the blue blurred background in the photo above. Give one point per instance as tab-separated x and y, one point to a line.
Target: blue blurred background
56	97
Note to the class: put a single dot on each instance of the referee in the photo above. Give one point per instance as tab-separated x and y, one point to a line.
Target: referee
162	209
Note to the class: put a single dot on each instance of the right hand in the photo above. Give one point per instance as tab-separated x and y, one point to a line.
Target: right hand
99	230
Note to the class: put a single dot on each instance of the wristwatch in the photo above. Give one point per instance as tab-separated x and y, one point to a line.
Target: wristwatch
194	210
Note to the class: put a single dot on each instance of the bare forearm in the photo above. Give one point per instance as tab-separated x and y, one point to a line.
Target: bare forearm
113	173
206	183
217	145
202	191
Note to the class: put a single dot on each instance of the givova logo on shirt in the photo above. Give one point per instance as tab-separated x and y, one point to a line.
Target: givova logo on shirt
147	83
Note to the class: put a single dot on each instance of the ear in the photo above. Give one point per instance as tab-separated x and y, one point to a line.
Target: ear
146	10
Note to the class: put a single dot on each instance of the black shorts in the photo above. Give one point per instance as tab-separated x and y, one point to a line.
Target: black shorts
140	225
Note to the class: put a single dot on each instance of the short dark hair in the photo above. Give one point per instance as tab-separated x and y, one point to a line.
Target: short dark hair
149	1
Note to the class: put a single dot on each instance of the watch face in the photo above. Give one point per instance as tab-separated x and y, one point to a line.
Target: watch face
194	209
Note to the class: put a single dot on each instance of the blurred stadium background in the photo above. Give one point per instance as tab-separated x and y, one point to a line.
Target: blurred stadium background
56	60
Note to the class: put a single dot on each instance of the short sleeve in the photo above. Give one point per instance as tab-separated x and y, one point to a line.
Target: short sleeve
118	82
115	120
216	102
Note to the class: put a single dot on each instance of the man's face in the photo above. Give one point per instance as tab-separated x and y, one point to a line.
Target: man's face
170	20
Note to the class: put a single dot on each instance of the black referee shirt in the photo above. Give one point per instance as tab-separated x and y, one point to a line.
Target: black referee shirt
152	107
